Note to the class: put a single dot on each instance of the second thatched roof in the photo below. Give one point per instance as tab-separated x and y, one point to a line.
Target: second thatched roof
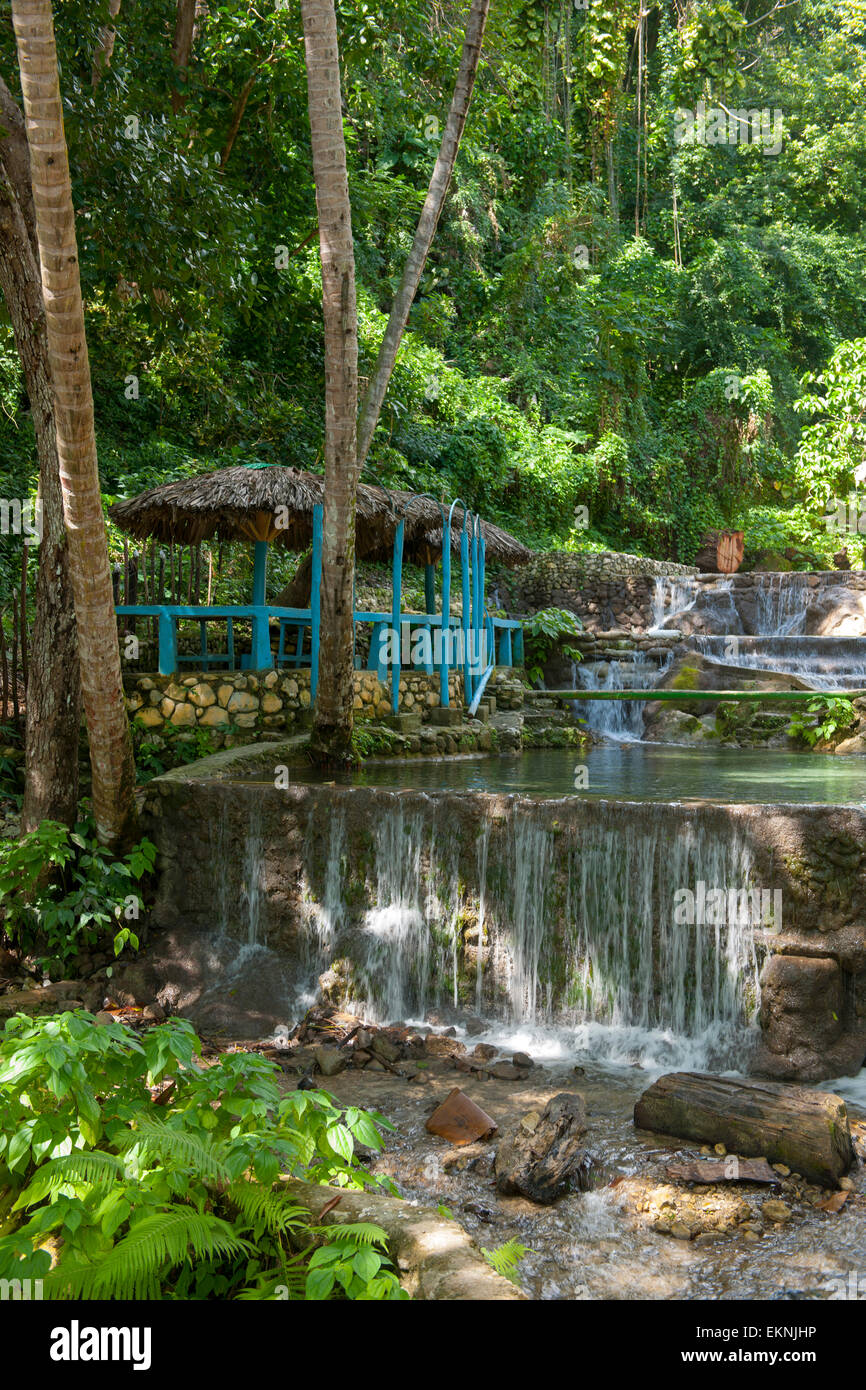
276	504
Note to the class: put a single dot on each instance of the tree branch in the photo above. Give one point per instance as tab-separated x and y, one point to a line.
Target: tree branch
426	229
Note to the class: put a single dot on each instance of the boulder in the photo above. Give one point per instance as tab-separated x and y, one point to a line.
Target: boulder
329	1061
438	1045
507	1071
544	1157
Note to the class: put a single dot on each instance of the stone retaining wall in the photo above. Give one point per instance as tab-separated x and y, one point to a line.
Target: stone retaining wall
245	706
605	590
391	845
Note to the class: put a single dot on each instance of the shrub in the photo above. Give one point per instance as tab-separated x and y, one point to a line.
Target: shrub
86	895
150	1175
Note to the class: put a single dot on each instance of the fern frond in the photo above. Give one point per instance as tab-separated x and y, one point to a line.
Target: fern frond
177	1148
356	1232
82	1168
273	1210
132	1268
505	1258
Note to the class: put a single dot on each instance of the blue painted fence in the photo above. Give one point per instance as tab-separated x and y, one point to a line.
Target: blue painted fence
299	628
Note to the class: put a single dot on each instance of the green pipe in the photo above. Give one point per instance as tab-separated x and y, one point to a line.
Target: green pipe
674	695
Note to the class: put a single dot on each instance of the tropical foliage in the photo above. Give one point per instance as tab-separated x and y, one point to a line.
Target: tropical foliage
609	319
131	1169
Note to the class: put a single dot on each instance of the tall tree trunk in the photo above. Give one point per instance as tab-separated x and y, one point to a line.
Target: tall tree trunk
53	690
102	687
181	48
105	45
332	728
427	224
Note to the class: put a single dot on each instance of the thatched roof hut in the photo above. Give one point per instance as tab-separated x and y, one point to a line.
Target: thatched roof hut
275	504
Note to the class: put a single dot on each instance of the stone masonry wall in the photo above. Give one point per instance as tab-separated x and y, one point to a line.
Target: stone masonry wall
243	706
606	590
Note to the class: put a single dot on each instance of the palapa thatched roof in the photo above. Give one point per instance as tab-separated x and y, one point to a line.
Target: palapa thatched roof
247	503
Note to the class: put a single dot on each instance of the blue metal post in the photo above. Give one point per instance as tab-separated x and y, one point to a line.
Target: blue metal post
446	613
430	588
260	570
397	631
476	607
167	644
482	599
315	601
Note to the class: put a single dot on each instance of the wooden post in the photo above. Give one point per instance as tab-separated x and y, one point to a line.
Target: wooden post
430	588
466	614
260	570
316	601
446	613
167	644
396	627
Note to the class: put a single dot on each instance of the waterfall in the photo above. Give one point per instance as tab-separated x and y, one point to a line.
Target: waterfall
825	663
633	964
412	930
782	603
251	892
581	926
616	719
482	853
324	916
671	597
532	855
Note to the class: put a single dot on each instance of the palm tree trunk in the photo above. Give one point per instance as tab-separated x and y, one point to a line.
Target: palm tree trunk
427	224
113	772
53	691
332	729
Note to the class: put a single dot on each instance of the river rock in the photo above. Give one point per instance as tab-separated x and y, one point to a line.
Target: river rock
543	1157
806	1130
385	1049
438	1045
329	1061
507	1071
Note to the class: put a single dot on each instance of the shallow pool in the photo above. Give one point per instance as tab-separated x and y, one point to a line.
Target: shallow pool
625	771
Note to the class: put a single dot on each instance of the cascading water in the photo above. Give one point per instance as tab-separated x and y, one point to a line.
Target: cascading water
671	598
579	933
411	931
633	964
824	663
616	719
251	894
782	603
324	915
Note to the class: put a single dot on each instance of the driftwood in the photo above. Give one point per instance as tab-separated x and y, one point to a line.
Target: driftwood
806	1130
733	1169
543	1158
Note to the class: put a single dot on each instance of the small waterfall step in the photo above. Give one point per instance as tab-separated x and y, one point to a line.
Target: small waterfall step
828	663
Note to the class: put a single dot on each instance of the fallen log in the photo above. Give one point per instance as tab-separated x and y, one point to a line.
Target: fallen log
806	1130
543	1157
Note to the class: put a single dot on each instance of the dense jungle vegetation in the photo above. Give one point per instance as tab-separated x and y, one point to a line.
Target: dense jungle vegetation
616	336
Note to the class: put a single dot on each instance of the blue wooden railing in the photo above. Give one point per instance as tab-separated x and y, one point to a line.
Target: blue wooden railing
299	628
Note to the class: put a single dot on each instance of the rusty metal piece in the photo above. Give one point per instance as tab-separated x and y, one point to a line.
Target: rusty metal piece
459	1120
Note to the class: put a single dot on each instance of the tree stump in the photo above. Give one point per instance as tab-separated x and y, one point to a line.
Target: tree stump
807	1130
544	1158
721	552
